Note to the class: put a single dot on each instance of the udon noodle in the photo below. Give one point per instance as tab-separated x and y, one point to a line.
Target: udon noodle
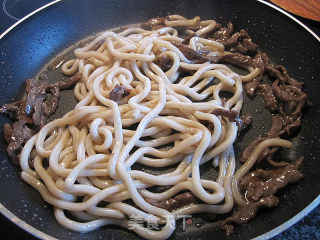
164	120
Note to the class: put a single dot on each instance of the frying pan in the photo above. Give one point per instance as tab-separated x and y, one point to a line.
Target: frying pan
30	45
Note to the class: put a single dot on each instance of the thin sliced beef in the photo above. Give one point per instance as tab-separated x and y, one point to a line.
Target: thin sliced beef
154	23
246	153
276	126
151	24
15	110
286	101
223	34
118	92
67	83
279	72
291	99
291	125
289	80
243	122
269	98
247	212
16	136
186	40
52	102
232	115
260	187
235	42
261	183
164	62
242	43
199	56
178	201
249	149
238	59
275	131
42	98
245	45
250	88
31	114
8	131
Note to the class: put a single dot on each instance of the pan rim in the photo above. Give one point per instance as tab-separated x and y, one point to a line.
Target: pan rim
284	226
23	225
26	17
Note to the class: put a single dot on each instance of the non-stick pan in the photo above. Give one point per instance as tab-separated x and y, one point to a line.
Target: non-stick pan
31	44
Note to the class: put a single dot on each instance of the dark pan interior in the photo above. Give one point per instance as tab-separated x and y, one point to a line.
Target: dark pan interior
30	46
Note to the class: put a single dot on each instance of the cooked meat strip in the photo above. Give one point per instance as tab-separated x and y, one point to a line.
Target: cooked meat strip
178	201
279	72
164	62
36	92
261	183
20	134
250	88
290	125
241	42
246	153
292	99
67	83
232	115
198	56
268	97
223	34
248	212
243	122
152	24
31	114
186	40
15	110
282	98
276	126
118	92
185	30
246	45
238	59
241	60
238	41
52	102
275	131
279	126
8	131
270	70
289	80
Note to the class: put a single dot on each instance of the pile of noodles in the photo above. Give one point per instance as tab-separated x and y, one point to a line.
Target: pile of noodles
85	158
